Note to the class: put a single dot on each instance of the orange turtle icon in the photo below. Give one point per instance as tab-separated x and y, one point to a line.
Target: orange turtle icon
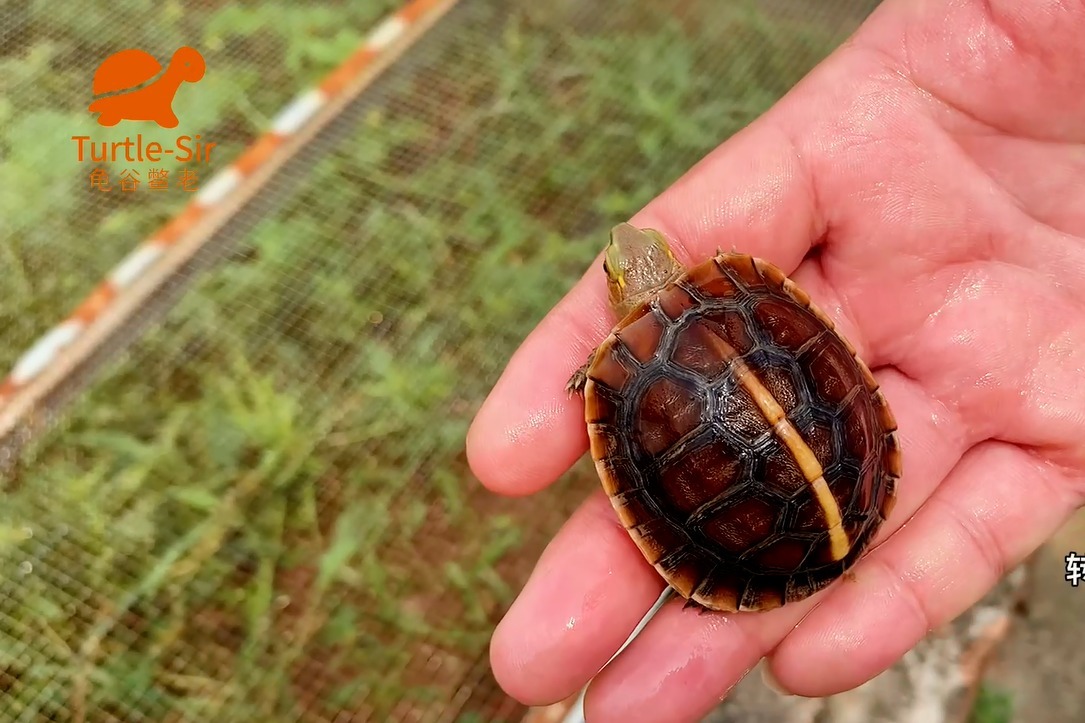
126	87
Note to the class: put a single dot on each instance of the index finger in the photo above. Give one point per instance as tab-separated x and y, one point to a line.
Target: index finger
752	193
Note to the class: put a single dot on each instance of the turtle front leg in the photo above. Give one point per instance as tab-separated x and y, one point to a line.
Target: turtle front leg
580	377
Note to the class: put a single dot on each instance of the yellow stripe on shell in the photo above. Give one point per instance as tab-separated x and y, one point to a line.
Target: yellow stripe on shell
803	455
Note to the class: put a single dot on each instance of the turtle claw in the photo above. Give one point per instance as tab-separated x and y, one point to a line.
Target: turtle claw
579	379
692	604
576	382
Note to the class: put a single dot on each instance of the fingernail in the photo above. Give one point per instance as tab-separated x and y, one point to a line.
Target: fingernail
770	680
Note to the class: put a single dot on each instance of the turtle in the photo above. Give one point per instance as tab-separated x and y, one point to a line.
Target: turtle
123	91
745	447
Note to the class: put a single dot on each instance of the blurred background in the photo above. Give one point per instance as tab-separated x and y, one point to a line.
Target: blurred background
255	506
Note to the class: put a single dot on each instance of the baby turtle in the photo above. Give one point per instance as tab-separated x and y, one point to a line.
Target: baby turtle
743	444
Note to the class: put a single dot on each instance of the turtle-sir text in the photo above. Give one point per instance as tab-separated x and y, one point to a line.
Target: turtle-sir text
186	149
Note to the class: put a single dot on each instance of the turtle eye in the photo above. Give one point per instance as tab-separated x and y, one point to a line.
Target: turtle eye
606	268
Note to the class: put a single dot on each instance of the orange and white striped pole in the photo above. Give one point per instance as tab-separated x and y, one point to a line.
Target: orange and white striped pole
117	298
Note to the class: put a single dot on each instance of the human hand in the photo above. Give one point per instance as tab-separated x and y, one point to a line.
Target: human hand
926	186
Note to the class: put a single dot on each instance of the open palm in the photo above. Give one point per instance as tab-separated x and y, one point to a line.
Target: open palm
926	186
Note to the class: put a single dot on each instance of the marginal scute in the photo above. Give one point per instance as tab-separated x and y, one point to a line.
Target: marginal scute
868	378
633	507
887	499
598	406
868	480
708	490
619	475
685	571
657	538
765	597
603	439
893	462
772	275
796	293
607	368
885	414
743	267
721	588
709	280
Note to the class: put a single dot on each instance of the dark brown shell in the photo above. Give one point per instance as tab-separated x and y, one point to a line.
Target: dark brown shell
729	423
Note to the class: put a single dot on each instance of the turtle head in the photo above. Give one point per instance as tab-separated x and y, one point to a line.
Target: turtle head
638	264
188	64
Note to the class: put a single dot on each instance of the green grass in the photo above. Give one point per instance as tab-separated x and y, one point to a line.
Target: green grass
992	706
263	507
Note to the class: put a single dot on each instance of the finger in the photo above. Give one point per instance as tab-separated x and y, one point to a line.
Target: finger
684	662
587	593
594	570
997	506
751	193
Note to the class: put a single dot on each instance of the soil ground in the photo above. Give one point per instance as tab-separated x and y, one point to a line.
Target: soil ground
1040	669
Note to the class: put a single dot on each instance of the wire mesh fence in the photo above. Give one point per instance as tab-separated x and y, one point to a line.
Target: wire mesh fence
258	507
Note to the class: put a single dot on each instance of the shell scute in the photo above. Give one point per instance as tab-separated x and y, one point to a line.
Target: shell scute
658	537
695	478
701	348
708	279
787	326
685	570
675	301
668	411
743	267
744	420
640	336
609	368
633	506
744	445
783	475
783	555
831	369
742	524
620	476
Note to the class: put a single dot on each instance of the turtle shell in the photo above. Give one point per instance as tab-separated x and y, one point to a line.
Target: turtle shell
123	70
744	446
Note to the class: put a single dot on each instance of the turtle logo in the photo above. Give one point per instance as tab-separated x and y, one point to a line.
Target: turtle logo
131	85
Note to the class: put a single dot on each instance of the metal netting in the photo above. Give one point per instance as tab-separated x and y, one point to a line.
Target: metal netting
257	508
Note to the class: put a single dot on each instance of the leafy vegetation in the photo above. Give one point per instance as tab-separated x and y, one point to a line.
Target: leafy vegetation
992	706
262	508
